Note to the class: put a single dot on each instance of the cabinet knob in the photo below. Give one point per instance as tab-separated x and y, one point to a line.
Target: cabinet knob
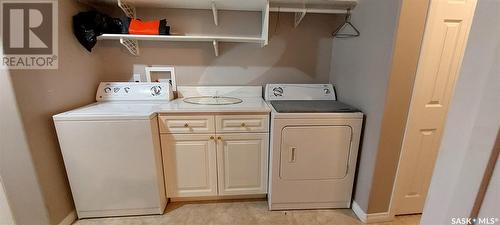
186	125
243	125
212	137
219	138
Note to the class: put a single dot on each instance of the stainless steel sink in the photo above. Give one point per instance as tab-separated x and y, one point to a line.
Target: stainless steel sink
213	100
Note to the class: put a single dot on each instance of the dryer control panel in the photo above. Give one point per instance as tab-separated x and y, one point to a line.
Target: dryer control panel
299	92
130	91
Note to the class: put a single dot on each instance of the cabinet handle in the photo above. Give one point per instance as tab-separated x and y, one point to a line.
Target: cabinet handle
292	154
219	138
186	125
212	137
243	125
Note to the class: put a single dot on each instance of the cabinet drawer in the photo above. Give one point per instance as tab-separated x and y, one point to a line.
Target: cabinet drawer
242	123
186	124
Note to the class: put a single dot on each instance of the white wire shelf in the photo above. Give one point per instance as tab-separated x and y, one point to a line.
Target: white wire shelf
131	41
185	38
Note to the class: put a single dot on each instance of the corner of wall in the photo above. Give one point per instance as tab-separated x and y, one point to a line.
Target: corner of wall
39	94
360	72
408	40
16	164
370	217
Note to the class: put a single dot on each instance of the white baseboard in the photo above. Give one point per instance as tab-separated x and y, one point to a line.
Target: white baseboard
69	219
372	217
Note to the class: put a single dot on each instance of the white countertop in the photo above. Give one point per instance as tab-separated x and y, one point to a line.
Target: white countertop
147	109
248	105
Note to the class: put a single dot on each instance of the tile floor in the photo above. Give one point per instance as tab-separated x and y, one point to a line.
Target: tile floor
252	212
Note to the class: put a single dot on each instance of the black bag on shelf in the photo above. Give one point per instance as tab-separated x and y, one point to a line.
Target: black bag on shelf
88	25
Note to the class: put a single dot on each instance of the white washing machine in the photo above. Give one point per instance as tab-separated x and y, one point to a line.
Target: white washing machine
314	147
111	151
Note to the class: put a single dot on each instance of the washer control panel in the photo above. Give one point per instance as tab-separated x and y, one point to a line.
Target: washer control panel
124	91
299	92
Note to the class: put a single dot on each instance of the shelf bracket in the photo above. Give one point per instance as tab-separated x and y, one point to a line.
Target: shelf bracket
131	45
216	47
214	11
127	8
298	17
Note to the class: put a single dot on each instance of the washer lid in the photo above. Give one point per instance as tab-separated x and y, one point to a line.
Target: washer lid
312	106
110	110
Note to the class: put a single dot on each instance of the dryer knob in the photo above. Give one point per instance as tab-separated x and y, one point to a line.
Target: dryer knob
278	91
107	90
155	90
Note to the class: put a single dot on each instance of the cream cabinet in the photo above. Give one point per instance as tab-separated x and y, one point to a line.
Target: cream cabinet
189	161
215	155
242	163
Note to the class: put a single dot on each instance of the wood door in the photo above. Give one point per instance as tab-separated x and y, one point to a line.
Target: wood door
444	42
242	163
190	164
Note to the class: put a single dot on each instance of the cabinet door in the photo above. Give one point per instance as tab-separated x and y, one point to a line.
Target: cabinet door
190	165
242	163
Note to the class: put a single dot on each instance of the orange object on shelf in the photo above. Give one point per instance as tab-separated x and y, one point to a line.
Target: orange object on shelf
147	27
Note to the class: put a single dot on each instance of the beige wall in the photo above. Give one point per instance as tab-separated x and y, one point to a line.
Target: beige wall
294	55
43	93
360	71
399	91
18	173
5	211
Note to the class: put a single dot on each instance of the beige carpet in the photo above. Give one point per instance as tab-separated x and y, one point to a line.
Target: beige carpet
241	213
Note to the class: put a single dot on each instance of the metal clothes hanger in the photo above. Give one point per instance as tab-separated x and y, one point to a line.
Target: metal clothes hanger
347	23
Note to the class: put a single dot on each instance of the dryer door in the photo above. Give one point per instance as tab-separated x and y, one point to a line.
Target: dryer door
314	152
